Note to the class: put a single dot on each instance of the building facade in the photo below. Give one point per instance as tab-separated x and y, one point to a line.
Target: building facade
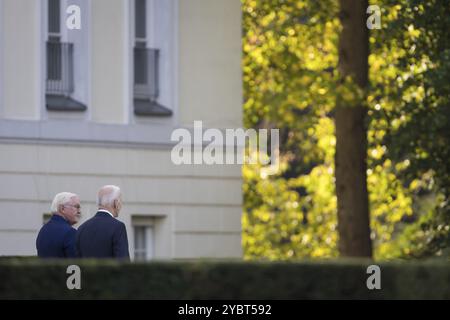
86	105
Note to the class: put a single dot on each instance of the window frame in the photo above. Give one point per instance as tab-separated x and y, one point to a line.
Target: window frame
65	100
156	11
147	225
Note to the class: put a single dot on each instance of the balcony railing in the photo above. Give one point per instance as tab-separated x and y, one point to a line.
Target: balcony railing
59	68
146	73
146	83
60	78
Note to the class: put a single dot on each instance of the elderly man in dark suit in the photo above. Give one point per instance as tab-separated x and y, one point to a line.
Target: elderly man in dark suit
103	236
56	239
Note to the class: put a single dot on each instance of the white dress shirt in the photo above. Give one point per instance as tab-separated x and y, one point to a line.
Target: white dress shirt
104	210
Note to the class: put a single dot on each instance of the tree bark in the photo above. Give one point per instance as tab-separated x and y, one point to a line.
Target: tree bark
351	139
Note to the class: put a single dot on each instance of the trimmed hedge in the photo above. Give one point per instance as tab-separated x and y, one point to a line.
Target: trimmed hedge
105	279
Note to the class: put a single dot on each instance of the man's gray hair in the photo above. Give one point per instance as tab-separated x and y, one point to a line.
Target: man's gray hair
107	195
61	199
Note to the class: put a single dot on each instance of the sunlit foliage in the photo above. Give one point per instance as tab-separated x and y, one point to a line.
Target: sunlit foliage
291	82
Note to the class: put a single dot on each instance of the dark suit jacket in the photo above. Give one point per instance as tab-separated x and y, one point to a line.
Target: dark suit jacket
56	239
102	236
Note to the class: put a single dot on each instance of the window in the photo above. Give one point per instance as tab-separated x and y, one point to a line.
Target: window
147	52
60	64
143	243
143	230
54	9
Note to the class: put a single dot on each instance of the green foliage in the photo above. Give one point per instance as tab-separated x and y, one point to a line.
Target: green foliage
410	111
291	82
282	224
104	279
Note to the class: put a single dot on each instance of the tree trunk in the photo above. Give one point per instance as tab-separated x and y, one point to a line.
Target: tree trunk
351	140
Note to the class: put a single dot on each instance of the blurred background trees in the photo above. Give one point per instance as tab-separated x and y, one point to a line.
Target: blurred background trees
292	82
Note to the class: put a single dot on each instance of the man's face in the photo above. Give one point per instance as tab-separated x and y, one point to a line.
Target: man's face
72	210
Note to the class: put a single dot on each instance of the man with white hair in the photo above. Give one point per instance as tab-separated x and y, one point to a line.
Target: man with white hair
56	239
103	236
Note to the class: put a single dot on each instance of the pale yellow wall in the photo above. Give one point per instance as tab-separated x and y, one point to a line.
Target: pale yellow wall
108	61
210	85
19	25
213	245
28	158
199	206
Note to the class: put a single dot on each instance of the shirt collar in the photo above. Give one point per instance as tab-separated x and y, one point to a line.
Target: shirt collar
104	210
